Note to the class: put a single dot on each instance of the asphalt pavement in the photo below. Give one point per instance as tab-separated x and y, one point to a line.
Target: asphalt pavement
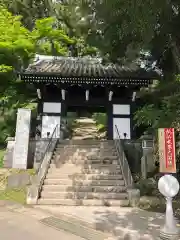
23	227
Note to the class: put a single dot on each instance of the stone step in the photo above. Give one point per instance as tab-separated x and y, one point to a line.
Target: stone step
83	195
84	202
56	181
85	125
105	157
82	159
71	148
76	170
76	153
101	189
87	155
88	148
85	142
84	176
84	137
84	129
85	166
75	161
85	120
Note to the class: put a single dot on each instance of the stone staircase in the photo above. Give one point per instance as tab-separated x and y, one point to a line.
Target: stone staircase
85	128
84	172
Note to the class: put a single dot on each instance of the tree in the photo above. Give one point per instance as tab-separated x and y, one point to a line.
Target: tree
74	19
161	108
18	46
16	42
123	27
49	39
30	10
70	17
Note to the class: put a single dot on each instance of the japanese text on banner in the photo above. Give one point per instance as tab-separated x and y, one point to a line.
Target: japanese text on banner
169	147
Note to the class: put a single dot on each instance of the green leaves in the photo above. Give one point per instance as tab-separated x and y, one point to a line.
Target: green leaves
4	68
162	108
16	43
46	31
119	25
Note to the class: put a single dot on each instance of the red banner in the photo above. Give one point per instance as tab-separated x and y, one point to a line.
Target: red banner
167	150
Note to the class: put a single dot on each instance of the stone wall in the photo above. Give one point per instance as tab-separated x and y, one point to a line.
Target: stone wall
135	154
133	151
36	151
8	157
40	148
18	180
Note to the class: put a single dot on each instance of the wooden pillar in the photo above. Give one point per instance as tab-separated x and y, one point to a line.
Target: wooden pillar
38	127
133	131
109	121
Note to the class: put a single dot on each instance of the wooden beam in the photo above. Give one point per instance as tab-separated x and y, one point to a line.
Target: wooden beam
63	94
133	96
110	95
87	95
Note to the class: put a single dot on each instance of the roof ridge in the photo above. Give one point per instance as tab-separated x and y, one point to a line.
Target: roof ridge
85	59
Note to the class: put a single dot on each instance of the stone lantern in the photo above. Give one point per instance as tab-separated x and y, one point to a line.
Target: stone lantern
147	163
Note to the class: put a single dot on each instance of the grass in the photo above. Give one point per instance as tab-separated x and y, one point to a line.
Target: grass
151	199
2	152
101	121
13	194
155	204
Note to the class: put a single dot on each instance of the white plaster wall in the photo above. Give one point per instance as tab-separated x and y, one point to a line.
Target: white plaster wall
48	125
121	109
123	125
51	107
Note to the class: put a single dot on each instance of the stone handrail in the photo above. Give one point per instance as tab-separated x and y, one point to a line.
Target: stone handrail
37	182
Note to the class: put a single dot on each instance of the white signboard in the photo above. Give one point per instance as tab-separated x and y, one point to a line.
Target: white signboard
20	155
49	123
51	107
124	128
121	109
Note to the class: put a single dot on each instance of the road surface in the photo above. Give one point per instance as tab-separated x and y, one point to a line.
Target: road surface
15	225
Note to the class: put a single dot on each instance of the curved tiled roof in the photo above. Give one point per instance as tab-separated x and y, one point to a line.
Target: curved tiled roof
68	68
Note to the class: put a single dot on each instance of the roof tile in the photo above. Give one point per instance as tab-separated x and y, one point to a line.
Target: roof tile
82	67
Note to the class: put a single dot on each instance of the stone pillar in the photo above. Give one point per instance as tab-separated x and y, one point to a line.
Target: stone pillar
147	163
134	197
21	147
